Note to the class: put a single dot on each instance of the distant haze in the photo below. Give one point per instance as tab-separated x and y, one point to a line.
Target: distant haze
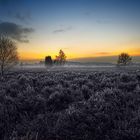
106	59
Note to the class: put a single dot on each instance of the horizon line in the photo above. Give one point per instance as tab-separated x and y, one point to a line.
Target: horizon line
36	59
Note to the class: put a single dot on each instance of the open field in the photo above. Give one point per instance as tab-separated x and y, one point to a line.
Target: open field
70	103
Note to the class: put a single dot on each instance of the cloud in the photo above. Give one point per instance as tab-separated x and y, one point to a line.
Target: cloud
64	29
23	17
20	16
104	21
103	53
15	31
88	13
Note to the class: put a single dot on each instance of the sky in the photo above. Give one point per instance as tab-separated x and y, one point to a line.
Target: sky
81	28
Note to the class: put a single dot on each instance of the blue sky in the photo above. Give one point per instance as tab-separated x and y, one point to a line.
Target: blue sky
82	28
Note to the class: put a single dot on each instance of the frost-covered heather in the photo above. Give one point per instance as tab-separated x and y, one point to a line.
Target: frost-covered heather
70	105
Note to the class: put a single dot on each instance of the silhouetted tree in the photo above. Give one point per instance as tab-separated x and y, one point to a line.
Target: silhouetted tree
8	54
48	61
61	58
124	59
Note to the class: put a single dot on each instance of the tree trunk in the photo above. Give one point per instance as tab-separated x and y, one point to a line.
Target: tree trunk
2	71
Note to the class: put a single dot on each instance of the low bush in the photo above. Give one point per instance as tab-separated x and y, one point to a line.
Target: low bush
70	105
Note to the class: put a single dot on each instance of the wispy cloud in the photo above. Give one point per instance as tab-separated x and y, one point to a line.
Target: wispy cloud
103	53
103	21
23	17
15	31
20	16
62	29
88	13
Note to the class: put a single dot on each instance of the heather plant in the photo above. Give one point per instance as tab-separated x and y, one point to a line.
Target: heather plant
70	105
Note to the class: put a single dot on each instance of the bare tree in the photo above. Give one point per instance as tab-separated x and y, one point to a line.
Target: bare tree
8	54
124	59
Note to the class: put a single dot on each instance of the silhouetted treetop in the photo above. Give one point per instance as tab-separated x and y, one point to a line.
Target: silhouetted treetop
61	58
124	59
48	60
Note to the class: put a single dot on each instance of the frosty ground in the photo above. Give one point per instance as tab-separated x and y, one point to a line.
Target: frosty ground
70	103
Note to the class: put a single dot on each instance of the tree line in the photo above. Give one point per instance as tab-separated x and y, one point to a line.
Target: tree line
60	59
9	56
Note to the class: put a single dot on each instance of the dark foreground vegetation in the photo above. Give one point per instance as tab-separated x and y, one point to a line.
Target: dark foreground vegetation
70	106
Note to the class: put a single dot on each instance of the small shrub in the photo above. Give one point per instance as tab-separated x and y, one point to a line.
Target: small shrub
59	101
81	105
86	92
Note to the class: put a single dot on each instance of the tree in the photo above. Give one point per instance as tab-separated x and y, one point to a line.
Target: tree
8	54
124	59
48	61
61	58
